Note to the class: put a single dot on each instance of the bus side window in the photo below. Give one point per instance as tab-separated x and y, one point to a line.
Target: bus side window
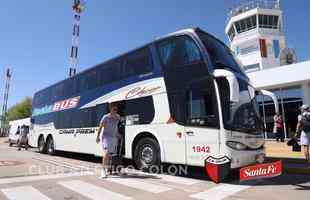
201	106
137	63
140	110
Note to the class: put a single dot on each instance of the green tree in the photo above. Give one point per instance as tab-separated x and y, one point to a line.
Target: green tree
20	110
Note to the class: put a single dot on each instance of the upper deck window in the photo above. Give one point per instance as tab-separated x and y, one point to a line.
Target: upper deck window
220	55
179	51
137	63
109	72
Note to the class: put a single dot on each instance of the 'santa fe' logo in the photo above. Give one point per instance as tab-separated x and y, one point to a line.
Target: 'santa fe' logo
261	171
141	91
66	104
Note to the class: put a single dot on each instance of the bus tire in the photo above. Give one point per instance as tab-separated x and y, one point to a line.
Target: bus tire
41	145
50	146
147	155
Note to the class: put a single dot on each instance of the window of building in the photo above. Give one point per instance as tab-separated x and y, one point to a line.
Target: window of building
246	24
251	68
231	33
268	21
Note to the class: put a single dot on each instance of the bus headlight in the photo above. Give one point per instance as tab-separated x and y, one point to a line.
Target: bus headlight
236	145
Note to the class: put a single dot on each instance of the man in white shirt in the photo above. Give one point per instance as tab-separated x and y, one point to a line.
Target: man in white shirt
109	137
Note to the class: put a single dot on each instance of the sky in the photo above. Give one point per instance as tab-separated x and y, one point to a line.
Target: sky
35	36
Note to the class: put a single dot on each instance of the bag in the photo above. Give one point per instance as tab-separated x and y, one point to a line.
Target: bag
291	142
305	121
296	147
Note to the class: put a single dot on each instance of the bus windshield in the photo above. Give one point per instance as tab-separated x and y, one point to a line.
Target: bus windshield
243	115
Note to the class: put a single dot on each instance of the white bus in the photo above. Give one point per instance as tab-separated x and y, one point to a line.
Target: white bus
183	98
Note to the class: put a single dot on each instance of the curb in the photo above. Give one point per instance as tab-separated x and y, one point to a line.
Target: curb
303	169
297	170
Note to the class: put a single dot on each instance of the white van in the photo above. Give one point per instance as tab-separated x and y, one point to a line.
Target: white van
14	135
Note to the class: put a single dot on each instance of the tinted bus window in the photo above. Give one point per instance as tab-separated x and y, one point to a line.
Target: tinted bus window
140	110
219	53
179	51
138	62
201	104
91	79
109	72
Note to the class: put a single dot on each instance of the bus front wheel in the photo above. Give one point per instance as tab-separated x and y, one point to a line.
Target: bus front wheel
147	155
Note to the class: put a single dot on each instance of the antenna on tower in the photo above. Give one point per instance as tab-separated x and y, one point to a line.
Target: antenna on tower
78	8
5	102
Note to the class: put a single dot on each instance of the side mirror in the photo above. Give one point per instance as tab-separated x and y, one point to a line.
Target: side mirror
233	83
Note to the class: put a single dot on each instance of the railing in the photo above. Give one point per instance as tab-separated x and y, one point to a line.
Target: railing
249	5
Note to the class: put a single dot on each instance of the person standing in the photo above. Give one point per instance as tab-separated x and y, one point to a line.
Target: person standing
278	121
305	131
108	129
23	138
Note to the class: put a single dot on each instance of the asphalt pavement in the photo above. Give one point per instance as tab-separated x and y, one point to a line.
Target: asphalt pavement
30	175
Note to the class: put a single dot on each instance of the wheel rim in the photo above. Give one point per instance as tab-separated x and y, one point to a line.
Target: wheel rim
147	154
41	143
51	146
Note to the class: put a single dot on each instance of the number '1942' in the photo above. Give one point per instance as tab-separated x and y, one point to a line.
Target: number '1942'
202	148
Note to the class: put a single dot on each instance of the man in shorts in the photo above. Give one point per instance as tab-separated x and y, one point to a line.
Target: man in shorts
109	137
305	133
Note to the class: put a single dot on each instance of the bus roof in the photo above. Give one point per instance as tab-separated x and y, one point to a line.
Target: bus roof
183	31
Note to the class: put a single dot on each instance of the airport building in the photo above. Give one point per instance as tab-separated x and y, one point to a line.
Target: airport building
255	32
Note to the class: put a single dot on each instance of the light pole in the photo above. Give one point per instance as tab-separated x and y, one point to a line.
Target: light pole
78	7
5	101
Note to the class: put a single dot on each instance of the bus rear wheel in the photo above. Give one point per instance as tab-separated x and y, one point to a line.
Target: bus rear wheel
50	146
147	155
41	145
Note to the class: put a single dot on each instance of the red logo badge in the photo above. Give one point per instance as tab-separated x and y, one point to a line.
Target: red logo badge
266	170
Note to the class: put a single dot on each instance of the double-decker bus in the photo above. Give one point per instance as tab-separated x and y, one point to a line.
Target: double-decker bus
182	98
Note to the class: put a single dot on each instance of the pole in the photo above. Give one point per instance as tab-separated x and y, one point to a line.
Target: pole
283	114
77	9
264	116
5	101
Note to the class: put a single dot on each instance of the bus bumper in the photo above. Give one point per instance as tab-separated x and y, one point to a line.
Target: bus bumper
240	159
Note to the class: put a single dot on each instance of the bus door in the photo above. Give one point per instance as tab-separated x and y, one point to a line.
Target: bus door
121	105
202	122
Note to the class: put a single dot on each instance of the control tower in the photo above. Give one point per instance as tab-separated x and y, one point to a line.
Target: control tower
255	32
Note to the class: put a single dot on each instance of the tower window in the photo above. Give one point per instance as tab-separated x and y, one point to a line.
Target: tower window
231	33
268	21
246	24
